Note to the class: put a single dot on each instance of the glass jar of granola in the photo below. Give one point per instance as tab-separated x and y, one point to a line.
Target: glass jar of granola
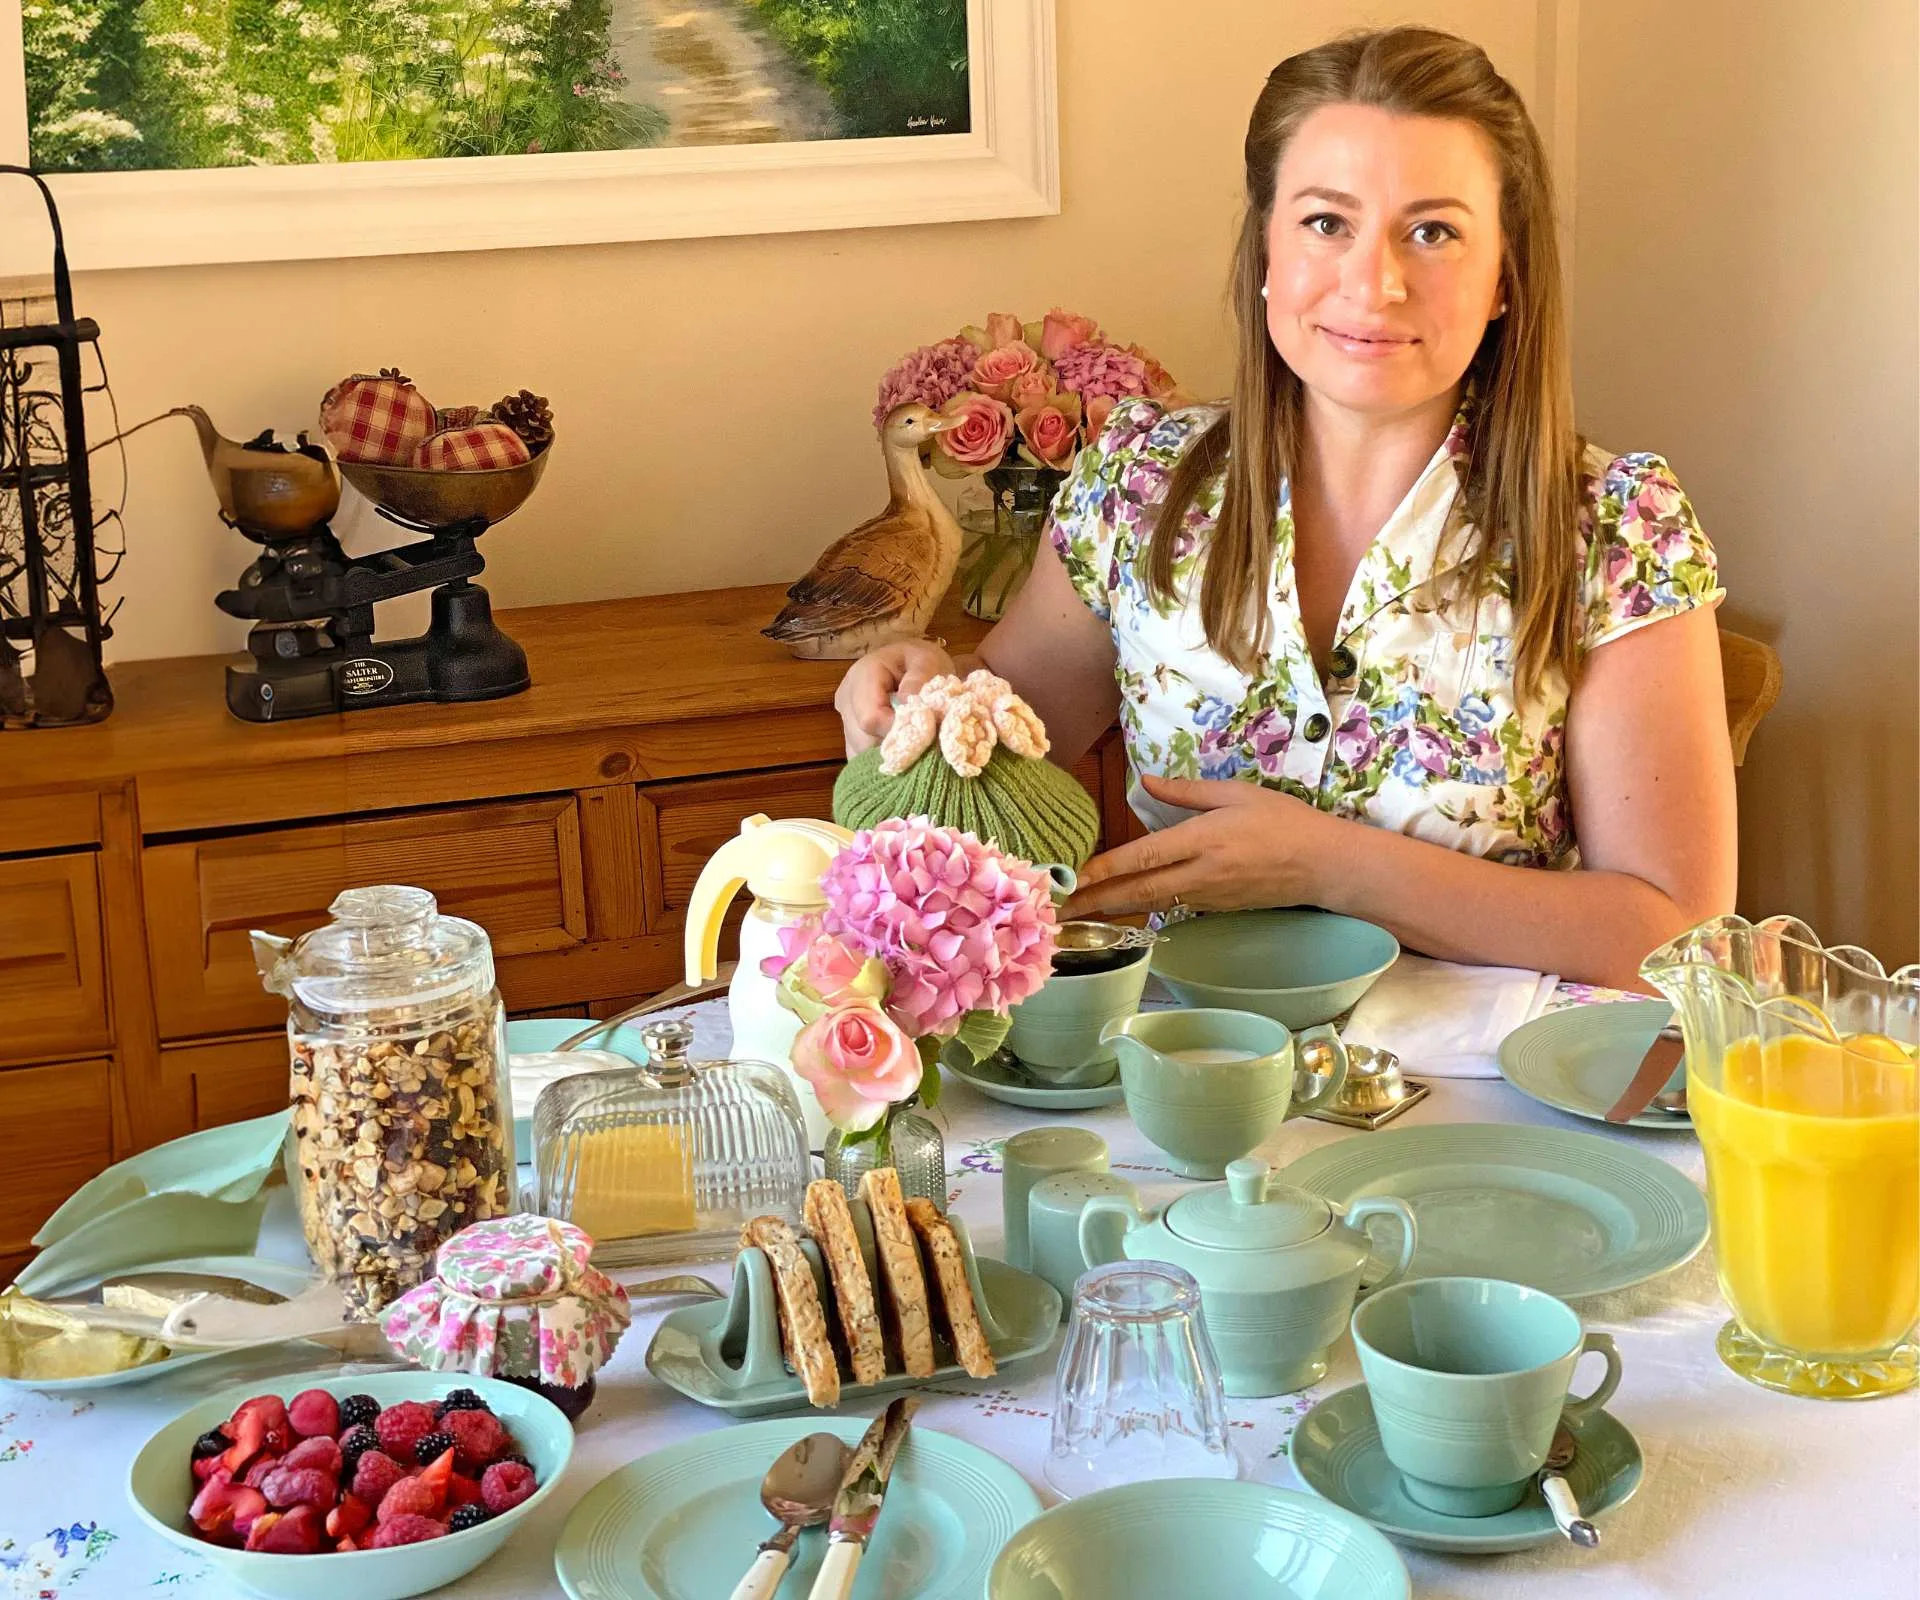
402	1116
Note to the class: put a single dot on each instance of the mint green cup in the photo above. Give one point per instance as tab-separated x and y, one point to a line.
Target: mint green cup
1468	1379
1056	1031
1204	1113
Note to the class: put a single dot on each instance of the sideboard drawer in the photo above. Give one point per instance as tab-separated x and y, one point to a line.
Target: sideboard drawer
231	1079
48	822
695	819
56	1126
513	867
53	990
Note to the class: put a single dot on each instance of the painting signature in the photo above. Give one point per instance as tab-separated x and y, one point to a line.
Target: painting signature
915	124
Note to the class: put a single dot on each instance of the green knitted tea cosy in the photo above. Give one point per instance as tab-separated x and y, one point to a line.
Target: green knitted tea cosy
971	754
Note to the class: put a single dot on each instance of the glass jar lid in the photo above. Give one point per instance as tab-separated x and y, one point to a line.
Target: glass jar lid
387	945
1249	1211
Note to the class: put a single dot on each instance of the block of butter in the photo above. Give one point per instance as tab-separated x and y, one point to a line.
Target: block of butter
631	1181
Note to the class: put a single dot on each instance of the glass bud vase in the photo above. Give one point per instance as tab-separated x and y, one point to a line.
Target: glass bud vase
1003	521
910	1144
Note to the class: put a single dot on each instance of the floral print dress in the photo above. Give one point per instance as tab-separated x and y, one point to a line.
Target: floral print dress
1417	727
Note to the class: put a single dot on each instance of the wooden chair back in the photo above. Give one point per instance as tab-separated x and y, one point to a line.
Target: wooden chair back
1753	677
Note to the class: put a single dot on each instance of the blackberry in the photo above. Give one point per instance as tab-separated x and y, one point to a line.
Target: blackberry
211	1443
432	1446
514	1457
467	1516
357	1408
355	1443
463	1400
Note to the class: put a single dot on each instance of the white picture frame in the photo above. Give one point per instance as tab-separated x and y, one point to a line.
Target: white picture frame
1006	165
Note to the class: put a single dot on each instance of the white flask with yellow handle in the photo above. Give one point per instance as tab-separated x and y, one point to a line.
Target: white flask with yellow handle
780	863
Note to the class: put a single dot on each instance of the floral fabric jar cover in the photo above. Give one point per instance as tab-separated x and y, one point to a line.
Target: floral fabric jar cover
513	1297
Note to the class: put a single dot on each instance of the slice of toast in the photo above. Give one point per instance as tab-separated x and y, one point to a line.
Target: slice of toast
956	1294
830	1220
803	1324
900	1270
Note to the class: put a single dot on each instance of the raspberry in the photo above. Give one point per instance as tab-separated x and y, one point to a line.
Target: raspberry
430	1447
314	1412
463	1400
407	1498
403	1530
358	1408
300	1486
505	1485
401	1427
478	1436
213	1442
377	1473
355	1443
320	1452
467	1516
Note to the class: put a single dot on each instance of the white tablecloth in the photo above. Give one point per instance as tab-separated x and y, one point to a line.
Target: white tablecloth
1747	1496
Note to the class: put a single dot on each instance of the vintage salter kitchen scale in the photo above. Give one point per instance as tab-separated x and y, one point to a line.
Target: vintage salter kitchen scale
311	649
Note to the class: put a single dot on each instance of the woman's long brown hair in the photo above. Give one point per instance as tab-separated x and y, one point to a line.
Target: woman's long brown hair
1521	472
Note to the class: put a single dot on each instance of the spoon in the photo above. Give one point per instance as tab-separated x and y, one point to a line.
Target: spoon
799	1490
1673	1103
1560	1500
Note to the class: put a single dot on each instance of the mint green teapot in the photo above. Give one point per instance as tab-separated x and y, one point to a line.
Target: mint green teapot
1278	1268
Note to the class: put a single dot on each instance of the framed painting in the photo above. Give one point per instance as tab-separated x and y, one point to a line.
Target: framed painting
183	131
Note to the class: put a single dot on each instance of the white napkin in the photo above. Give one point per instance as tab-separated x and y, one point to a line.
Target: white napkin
1446	1020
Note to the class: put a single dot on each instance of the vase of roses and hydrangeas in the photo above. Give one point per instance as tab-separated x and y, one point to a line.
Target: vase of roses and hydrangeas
1028	395
929	938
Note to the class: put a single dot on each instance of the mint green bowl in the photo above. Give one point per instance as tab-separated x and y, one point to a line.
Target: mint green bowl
1299	966
160	1485
1190	1536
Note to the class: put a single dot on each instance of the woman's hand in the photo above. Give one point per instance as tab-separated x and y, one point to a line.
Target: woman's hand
1250	846
864	696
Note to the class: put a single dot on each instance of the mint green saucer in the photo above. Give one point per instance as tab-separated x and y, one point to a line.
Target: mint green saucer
1336	1451
999	1077
684	1523
1184	1536
1568	1213
1581	1059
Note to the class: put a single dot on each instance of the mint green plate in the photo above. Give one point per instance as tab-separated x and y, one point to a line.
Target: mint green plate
531	1035
1299	966
1336	1450
1568	1213
711	1352
230	1162
130	1237
1182	1536
159	1485
683	1523
1579	1060
1000	1079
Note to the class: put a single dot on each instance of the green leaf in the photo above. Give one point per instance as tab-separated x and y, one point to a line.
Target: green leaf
862	1135
982	1032
929	1090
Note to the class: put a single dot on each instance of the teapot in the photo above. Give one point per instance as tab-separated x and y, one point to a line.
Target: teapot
1278	1268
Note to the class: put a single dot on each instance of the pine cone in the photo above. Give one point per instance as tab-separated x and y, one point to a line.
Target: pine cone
528	415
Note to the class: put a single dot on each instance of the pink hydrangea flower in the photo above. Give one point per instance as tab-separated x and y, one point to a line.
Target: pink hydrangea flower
931	375
1091	369
959	925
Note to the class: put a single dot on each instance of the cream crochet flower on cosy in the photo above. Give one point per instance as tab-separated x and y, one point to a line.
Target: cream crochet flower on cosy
969	716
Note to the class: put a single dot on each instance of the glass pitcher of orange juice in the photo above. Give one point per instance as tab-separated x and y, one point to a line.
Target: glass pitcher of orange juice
1801	1083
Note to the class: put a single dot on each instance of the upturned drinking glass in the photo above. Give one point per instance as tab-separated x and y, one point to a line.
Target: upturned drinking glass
1801	1062
1138	1392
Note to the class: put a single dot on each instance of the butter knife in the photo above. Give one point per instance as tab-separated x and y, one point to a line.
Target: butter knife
1650	1077
857	1507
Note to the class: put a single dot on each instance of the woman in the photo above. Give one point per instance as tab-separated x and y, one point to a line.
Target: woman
1466	640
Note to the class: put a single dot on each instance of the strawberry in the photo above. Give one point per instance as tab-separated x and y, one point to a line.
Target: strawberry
463	1491
293	1533
318	1452
300	1486
351	1517
224	1511
313	1413
437	1476
260	1424
405	1530
262	1526
256	1474
206	1466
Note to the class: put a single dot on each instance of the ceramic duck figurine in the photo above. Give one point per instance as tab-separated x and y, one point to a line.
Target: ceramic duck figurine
274	491
882	581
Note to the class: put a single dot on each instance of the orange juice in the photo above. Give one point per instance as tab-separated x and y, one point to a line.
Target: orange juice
1813	1180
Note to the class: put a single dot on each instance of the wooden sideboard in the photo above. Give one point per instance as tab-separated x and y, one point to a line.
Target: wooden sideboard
568	821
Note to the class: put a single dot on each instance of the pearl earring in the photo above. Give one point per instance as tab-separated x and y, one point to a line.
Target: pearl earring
1503	309
1263	291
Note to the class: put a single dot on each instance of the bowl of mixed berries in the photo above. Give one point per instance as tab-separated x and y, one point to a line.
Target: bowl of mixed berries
389	1484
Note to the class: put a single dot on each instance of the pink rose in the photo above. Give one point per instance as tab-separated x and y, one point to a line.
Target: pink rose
995	373
841	975
1003	328
1160	382
980	439
1031	388
794	939
858	1062
1098	409
1050	432
1062	330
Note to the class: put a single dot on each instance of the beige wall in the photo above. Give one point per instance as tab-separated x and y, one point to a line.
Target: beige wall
1744	299
712	396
